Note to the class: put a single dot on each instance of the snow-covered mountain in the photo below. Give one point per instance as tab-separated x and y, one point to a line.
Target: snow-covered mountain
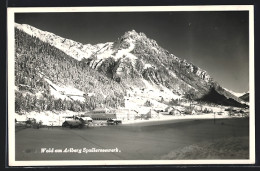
102	51
74	49
135	64
235	93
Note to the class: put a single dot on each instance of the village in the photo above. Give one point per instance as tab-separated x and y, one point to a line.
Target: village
128	115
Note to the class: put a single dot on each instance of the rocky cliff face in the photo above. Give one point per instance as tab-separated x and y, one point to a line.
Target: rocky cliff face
134	59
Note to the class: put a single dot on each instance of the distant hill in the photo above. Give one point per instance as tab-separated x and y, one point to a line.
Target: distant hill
245	97
214	97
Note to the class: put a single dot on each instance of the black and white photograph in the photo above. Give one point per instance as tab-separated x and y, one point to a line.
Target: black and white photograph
131	85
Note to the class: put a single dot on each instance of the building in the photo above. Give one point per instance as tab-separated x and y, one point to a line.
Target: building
100	111
99	116
87	119
175	112
152	114
126	114
190	111
168	109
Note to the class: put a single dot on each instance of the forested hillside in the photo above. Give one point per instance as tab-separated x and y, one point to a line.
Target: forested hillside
36	61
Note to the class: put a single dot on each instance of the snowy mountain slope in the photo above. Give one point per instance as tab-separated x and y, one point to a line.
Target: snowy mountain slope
235	93
65	92
74	49
133	62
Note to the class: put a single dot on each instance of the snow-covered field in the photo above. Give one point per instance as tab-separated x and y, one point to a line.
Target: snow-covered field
228	148
65	92
55	118
235	93
171	117
138	96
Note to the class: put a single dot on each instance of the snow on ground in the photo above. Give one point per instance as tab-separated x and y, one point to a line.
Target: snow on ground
38	94
55	118
168	94
227	148
126	52
89	50
65	92
235	93
172	74
57	94
216	108
20	117
171	117
158	105
105	51
147	66
137	97
158	92
26	28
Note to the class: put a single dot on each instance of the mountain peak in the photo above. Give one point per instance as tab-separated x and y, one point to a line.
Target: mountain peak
132	34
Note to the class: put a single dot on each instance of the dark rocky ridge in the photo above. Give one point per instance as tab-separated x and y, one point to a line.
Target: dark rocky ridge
245	97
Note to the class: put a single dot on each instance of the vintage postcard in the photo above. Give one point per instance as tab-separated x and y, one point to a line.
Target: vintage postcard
131	85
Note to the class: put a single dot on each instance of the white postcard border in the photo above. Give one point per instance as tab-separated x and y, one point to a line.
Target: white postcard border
11	93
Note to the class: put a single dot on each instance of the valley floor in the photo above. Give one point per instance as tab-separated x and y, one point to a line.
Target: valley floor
171	139
180	117
57	118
